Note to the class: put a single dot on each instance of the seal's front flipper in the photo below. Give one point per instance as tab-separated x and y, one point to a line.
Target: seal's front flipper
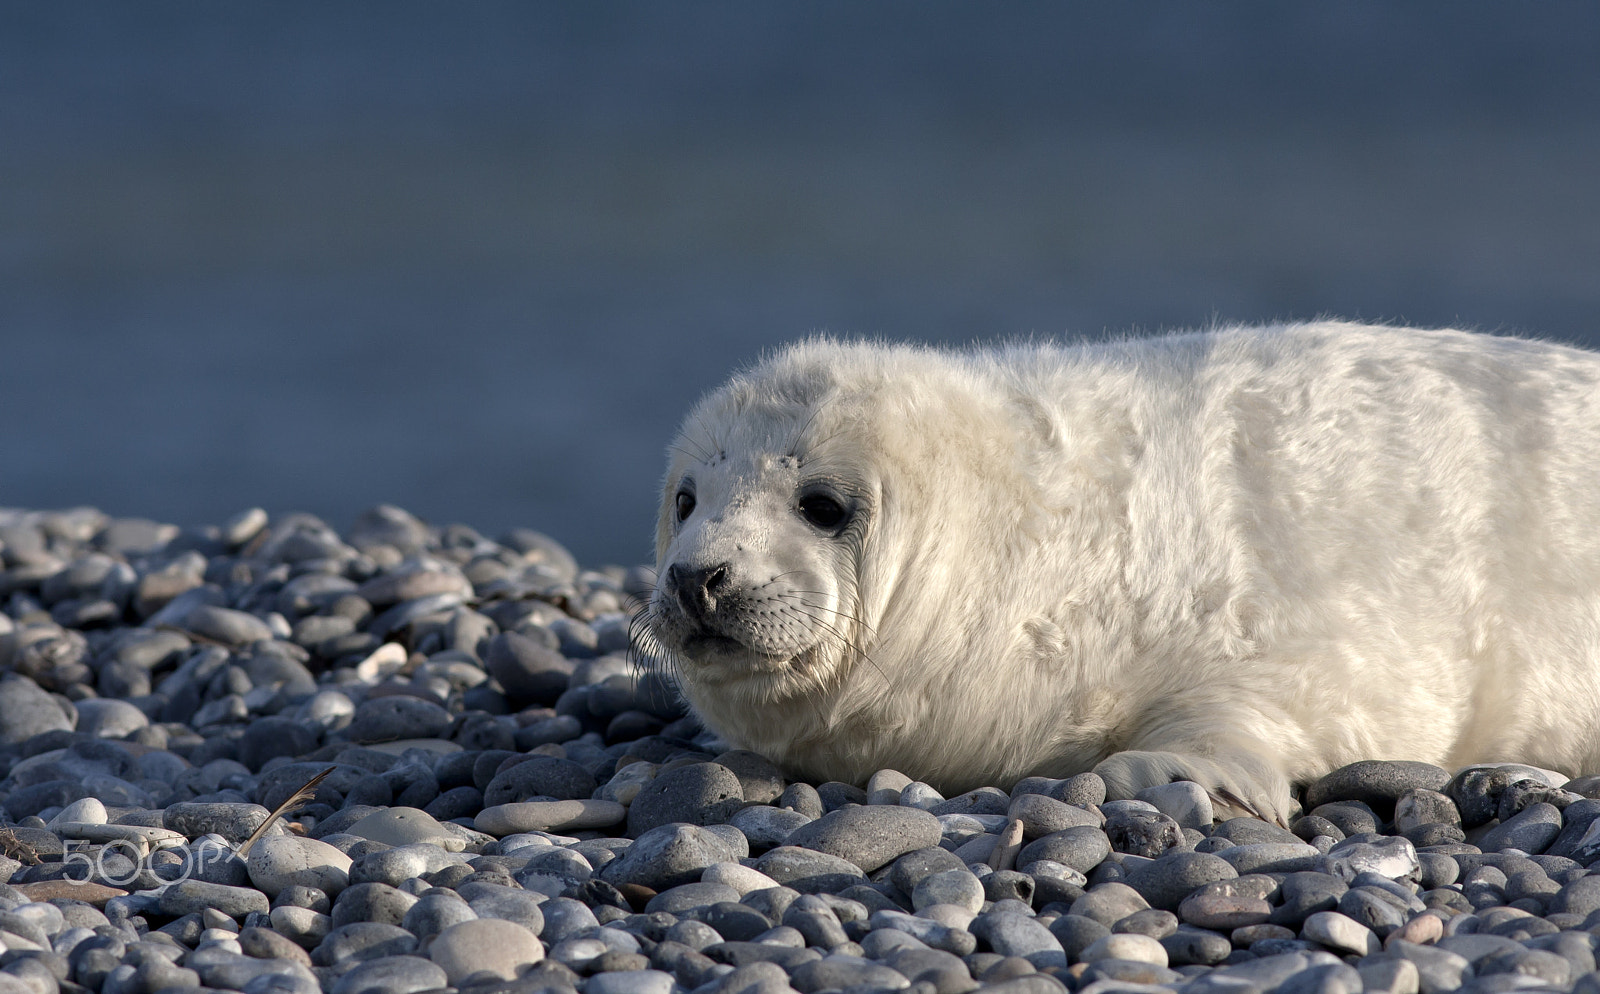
1240	784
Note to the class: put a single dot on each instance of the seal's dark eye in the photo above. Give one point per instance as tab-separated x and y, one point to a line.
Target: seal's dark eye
685	504
822	511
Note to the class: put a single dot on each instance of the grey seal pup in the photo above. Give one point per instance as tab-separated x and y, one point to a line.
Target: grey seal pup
1243	557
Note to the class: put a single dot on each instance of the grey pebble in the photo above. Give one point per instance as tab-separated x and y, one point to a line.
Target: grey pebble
385	719
1166	881
1531	830
26	710
698	794
539	777
809	871
1081	848
392	975
767	826
870	836
675	854
193	896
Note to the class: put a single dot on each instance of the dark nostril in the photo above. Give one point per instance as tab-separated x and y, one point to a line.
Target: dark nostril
697	590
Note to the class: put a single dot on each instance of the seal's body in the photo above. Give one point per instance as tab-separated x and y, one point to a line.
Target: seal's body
1243	557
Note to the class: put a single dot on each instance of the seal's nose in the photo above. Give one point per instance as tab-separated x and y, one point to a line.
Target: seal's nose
697	590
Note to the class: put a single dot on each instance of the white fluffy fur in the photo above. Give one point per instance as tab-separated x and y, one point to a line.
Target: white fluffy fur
1245	557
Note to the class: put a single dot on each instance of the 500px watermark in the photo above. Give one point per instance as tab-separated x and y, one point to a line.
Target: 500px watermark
136	861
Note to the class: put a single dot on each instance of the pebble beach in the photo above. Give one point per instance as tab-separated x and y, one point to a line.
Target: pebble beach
510	802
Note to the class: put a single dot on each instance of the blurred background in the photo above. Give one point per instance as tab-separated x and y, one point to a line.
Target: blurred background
477	259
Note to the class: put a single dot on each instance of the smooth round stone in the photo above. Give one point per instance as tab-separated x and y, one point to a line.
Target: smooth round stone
549	816
871	836
400	747
1246	831
917	794
698	794
530	671
279	861
1531	830
766	826
303	925
1022	936
392	975
1126	946
235	628
674	854
510	903
436	910
810	871
1219	907
385	719
328	709
1270	857
395	587
108	718
26	710
983	801
1109	903
743	879
686	897
630	982
85	811
958	887
1394	857
1082	848
403	827
1184	801
1042	815
1375	782
1340	933
565	918
397	865
1192	946
884	786
1579	897
540	776
273	736
1419	806
760	779
1142	833
189	897
1165	882
371	902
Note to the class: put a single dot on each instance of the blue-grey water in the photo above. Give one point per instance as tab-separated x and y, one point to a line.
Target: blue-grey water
475	259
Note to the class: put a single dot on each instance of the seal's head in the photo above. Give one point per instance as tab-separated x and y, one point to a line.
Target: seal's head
821	515
759	542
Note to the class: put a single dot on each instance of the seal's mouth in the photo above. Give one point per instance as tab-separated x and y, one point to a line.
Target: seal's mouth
700	645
